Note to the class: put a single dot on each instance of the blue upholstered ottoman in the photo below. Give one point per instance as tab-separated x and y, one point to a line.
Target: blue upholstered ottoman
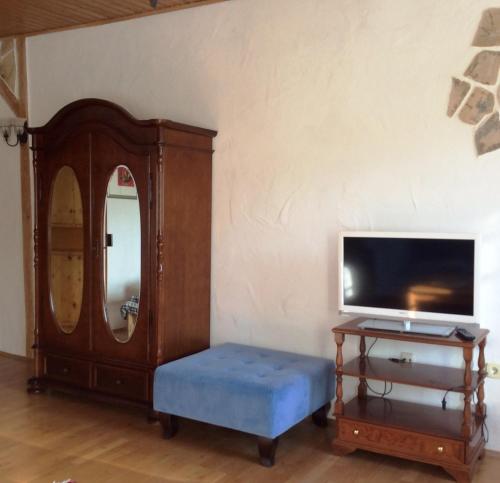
259	391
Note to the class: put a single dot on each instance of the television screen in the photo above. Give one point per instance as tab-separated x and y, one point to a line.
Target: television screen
394	275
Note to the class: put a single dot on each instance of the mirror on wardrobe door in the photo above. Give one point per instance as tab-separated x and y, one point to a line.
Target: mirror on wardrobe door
66	249
122	254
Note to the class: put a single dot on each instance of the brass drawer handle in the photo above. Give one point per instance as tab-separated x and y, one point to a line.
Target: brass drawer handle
440	449
355	432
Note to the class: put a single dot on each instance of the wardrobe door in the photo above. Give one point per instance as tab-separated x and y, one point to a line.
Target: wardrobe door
64	246
121	217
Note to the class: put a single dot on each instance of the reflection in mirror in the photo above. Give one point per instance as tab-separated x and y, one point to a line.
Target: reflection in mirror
66	249
122	254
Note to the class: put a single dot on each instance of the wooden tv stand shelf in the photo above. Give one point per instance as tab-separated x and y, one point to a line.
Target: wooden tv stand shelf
452	439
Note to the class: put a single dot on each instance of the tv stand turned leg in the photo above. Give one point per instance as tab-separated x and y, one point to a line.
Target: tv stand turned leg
363	385
481	407
339	362
467	414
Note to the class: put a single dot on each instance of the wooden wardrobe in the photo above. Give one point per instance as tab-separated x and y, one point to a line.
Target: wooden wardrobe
122	249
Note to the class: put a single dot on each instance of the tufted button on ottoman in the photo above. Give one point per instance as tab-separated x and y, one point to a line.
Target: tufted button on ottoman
258	391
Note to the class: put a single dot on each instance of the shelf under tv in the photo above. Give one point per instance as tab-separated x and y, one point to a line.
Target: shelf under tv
351	327
411	374
452	439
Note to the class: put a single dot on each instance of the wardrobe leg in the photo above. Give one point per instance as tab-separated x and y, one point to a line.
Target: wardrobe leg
35	386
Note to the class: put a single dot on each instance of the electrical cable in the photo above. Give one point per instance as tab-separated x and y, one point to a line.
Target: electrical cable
371	346
385	391
484	427
443	402
381	394
485	432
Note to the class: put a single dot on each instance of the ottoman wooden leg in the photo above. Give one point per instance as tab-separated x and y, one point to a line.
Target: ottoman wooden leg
169	424
320	417
267	450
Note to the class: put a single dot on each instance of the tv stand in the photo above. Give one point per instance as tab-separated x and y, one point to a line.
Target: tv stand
452	439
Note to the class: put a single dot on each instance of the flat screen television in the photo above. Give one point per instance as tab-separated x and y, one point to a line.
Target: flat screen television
409	275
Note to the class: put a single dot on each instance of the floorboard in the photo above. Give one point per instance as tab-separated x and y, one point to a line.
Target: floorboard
53	437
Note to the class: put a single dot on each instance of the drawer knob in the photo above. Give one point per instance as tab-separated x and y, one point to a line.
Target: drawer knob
440	449
355	432
118	382
65	370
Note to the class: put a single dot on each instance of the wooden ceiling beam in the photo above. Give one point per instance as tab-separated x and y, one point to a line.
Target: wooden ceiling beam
9	97
26	210
34	17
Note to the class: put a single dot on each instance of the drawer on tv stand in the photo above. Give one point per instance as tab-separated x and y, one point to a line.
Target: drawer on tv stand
400	442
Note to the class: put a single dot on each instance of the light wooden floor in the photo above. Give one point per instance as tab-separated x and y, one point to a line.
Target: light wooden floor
53	437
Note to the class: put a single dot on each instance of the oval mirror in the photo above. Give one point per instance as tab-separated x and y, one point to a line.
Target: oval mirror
122	254
66	249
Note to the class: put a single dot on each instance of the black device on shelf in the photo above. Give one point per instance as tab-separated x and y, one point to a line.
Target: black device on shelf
464	334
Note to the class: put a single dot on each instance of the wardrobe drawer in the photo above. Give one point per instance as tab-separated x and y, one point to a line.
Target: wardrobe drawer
67	370
400	441
121	382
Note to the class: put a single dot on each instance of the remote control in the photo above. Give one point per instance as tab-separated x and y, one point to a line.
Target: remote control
464	334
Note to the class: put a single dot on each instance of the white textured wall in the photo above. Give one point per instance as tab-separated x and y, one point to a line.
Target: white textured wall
12	315
331	115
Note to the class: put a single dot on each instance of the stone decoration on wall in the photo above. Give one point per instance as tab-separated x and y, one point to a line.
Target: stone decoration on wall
480	101
478	104
459	90
8	64
488	135
484	67
488	31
